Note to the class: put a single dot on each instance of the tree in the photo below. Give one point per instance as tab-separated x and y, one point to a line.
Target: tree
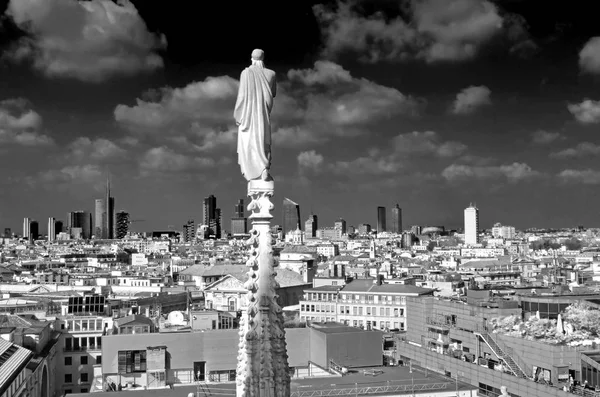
573	244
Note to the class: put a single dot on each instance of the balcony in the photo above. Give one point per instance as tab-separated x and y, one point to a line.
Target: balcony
80	349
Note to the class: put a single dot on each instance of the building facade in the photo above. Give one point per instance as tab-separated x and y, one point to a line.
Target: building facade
381	220
396	225
362	303
291	216
471	225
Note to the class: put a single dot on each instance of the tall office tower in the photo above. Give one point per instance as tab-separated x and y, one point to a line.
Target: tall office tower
99	218
7	232
51	229
122	224
239	223
311	226
212	215
340	225
34	230
381	219
26	228
396	226
189	231
210	205
105	219
239	209
291	216
416	230
471	225
218	222
80	220
58	227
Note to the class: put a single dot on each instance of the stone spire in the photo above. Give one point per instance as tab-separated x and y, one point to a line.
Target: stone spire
262	369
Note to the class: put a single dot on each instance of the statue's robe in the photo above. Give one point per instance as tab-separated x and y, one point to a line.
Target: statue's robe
253	116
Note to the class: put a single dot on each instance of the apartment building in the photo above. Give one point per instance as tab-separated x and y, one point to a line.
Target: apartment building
363	303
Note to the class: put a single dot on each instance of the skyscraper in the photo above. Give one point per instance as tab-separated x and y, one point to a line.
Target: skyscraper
58	227
471	225
122	224
105	217
30	229
311	226
239	209
51	229
26	228
189	231
212	215
210	204
396	226
99	218
81	220
291	216
239	223
381	219
34	230
340	225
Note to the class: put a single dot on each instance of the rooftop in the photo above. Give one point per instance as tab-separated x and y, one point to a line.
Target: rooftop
390	381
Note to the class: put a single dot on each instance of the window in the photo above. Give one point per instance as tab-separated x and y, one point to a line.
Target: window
68	378
132	361
68	391
84	377
84	390
99	360
68	360
83	360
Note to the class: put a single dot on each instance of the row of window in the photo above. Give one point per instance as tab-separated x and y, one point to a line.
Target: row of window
356	310
79	325
83	343
83	360
359	323
84	377
389	299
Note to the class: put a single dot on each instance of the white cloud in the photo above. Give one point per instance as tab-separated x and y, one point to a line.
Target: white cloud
541	137
512	172
470	99
208	102
97	149
371	164
437	30
427	142
310	160
86	40
586	177
164	160
74	173
344	101
589	56
586	112
580	150
20	125
312	105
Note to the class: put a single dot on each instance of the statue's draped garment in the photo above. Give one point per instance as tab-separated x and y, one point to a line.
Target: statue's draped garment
253	115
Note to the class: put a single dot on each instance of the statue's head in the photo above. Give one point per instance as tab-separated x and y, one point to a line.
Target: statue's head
258	55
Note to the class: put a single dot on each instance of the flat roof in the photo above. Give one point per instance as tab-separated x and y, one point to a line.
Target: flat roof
399	379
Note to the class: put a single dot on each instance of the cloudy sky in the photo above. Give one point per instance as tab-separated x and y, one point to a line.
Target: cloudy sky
431	104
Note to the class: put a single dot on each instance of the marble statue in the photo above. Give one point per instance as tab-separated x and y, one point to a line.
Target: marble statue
252	114
503	392
262	369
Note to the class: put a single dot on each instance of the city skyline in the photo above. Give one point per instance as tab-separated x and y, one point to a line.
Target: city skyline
501	111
